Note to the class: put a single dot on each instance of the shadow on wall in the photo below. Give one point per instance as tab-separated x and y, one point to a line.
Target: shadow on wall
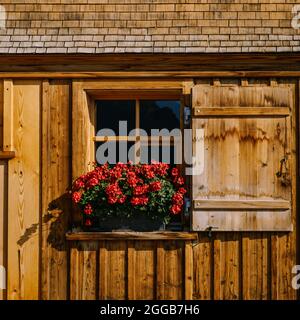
54	224
58	218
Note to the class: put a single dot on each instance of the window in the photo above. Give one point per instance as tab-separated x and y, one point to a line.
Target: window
138	130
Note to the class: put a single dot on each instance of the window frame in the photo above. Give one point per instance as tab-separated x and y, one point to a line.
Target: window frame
138	139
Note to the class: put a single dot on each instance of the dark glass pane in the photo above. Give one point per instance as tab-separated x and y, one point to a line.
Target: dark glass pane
113	152
157	114
110	112
164	154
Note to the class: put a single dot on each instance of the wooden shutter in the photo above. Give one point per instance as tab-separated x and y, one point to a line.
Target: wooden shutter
242	138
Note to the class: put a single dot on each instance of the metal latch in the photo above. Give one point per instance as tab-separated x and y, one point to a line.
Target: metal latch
209	230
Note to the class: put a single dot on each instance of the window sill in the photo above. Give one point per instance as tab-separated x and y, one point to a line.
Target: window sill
130	235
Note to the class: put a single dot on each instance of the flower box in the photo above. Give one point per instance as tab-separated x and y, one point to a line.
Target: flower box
140	197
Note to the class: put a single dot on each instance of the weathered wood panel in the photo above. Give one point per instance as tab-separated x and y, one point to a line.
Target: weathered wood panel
113	270
24	193
231	192
83	275
3	223
8	116
283	246
1	114
56	179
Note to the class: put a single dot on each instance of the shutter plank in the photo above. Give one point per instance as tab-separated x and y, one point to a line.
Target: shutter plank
212	204
244	111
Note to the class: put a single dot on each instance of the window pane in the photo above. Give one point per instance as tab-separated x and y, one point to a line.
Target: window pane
157	114
164	154
110	112
114	152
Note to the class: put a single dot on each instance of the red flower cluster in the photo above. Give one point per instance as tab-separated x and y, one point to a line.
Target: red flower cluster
88	210
177	201
114	194
129	187
139	201
76	196
155	186
140	190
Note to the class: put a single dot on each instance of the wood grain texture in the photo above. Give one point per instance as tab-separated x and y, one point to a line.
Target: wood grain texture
24	194
56	178
203	268
240	112
117	270
283	253
188	271
255	267
232	159
1	114
218	204
131	235
141	272
83	274
226	275
8	115
3	221
173	270
82	132
83	65
65	74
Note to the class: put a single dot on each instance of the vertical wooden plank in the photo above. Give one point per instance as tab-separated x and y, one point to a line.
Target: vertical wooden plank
103	270
24	194
283	254
82	145
217	280
144	270
83	273
188	271
131	270
81	139
116	270
3	222
203	268
255	267
160	271
56	180
8	112
173	271
1	113
226	267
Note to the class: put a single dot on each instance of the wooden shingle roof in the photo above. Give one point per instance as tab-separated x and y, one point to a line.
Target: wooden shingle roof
166	26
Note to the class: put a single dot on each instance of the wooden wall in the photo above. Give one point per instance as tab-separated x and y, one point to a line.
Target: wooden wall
226	266
42	265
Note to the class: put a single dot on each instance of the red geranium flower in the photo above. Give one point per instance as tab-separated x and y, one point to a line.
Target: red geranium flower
88	222
180	181
76	196
175	209
155	186
174	172
78	184
88	210
139	201
92	182
139	190
182	190
178	199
